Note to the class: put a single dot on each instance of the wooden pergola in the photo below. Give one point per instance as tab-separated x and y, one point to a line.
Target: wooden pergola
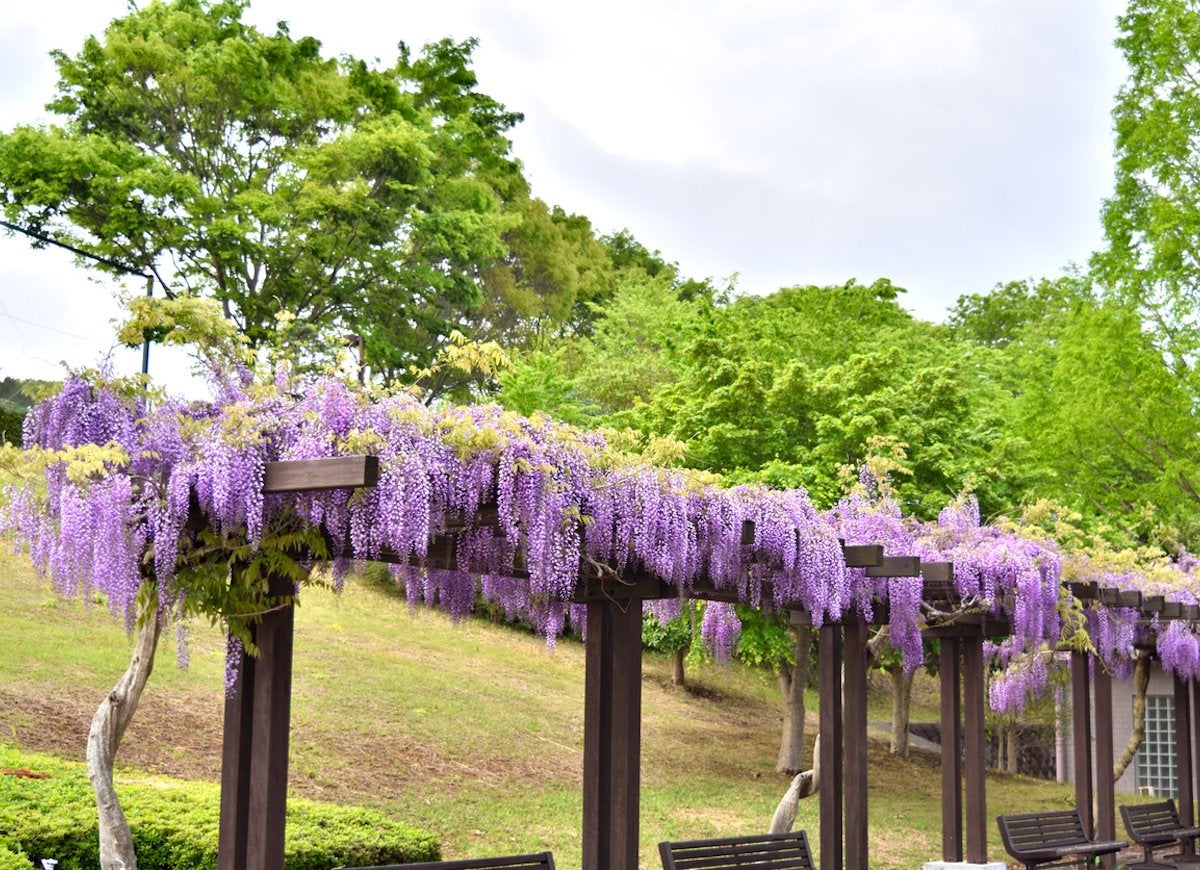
257	713
1092	701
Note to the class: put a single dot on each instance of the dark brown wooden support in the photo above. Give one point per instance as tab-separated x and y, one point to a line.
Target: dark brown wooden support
1106	803
974	749
949	675
829	649
254	756
1183	755
310	475
254	767
1195	755
854	754
612	723
1081	723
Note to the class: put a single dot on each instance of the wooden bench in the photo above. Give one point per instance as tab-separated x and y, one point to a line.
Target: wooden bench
535	861
761	851
1042	838
1155	825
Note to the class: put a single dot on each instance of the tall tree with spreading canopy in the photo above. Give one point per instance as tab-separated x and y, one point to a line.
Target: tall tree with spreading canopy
250	168
1152	220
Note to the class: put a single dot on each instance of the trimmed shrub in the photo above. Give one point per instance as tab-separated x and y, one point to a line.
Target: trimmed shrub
10	429
14	860
175	823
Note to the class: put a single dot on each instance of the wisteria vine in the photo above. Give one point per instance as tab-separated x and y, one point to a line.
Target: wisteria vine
129	494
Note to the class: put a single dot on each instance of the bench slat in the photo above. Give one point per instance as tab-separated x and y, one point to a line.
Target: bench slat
762	852
1036	838
1155	825
534	861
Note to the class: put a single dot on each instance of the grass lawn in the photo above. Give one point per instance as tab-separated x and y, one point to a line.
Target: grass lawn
471	731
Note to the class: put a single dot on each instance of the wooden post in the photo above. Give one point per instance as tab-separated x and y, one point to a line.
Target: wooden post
254	756
829	648
974	749
1106	804
854	713
1081	719
254	766
949	674
612	722
1183	755
1187	822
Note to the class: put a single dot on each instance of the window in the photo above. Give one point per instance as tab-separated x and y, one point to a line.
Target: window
1154	766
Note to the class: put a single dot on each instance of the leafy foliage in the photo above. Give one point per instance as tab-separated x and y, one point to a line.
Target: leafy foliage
247	167
175	825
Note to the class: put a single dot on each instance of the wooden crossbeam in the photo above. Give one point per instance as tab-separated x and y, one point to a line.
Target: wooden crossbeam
862	555
896	566
337	472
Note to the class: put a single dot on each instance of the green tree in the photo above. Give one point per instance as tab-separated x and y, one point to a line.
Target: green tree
248	167
786	389
630	356
1152	220
1016	310
1113	430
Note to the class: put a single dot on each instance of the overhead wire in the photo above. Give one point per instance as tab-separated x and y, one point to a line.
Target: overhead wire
112	264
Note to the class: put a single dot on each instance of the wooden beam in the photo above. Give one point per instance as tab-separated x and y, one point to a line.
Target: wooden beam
1083	590
338	472
937	572
254	768
949	676
974	750
1183	754
1188	822
862	555
612	719
896	566
854	756
1081	723
829	666
1106	804
1120	597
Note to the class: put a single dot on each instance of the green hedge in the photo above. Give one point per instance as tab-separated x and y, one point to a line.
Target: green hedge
174	823
14	860
10	431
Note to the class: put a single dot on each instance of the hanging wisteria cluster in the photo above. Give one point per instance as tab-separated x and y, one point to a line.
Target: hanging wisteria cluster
527	508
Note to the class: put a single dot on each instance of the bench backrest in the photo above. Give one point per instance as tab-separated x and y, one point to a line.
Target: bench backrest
761	851
1025	831
1143	819
535	861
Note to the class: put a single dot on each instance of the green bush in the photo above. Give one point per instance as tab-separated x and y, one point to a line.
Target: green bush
175	823
10	430
14	860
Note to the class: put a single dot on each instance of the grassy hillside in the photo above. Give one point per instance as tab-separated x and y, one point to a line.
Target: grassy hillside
471	731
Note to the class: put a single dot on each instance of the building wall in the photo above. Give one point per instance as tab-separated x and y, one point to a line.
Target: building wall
1122	716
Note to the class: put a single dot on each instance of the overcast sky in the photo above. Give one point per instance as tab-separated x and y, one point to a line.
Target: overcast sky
945	144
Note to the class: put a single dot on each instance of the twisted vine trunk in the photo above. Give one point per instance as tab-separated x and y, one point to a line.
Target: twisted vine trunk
677	672
792	681
803	785
902	684
104	738
1141	680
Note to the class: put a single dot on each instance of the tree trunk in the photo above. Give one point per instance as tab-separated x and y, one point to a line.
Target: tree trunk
1141	680
1000	745
1012	748
104	738
677	675
803	785
901	710
791	686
